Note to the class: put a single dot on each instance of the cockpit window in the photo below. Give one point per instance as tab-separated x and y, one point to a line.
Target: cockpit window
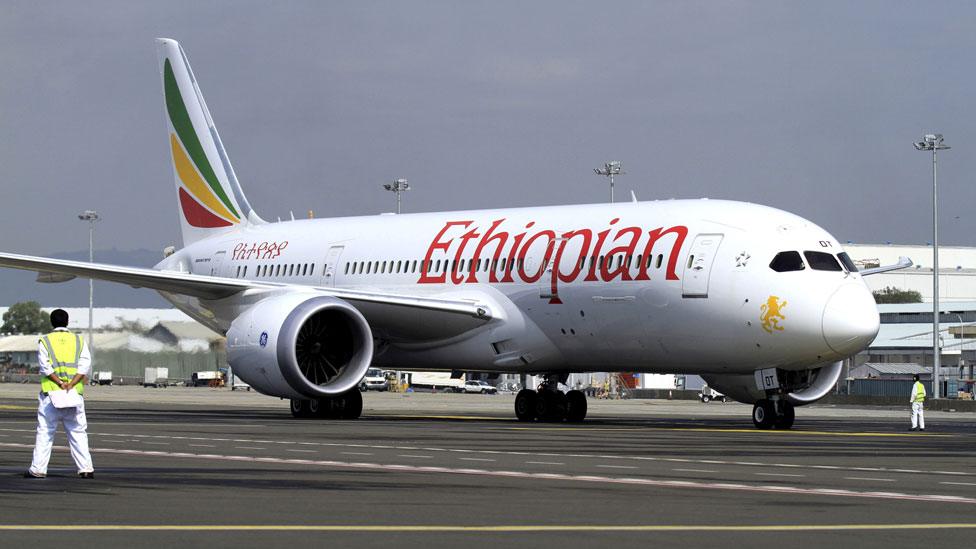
822	261
846	261
787	261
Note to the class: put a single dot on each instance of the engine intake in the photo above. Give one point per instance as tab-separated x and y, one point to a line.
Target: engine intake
800	387
300	346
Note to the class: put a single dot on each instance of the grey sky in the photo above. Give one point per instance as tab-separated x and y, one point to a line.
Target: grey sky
807	106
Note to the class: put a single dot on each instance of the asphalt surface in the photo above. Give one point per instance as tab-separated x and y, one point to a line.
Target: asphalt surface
200	467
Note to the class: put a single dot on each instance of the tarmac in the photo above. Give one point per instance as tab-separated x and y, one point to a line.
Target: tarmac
211	467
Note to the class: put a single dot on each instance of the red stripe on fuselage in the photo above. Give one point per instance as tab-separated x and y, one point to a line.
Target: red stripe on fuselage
197	215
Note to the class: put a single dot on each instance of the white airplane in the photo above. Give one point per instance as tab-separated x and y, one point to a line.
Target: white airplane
762	303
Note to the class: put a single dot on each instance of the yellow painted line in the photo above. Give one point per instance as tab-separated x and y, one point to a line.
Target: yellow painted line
478	418
499	528
15	407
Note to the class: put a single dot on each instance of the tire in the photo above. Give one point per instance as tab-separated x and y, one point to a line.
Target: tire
352	404
784	420
299	408
575	406
706	399
764	414
551	406
525	405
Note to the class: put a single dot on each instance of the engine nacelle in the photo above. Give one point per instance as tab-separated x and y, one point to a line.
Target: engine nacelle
300	346
800	387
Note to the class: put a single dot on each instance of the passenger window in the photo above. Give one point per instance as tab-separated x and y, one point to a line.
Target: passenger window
660	258
844	259
822	261
787	261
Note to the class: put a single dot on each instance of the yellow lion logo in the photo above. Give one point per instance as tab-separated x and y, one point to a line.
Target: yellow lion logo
772	313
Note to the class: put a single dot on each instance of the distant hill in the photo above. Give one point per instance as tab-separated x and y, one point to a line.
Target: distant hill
21	286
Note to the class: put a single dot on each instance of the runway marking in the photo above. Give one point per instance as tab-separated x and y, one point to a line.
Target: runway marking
204	445
543	462
414	456
156	443
778	475
249	448
870	479
770	432
16	407
658	483
348	453
477	459
297	450
535	454
617	466
695	470
515	528
959	483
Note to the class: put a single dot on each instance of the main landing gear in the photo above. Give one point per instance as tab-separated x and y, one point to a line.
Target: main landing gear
773	414
550	404
347	405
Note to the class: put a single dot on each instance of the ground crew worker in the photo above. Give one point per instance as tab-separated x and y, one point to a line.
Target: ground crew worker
65	362
917	397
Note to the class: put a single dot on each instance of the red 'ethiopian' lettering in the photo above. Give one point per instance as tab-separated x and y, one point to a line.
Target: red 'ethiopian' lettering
566	267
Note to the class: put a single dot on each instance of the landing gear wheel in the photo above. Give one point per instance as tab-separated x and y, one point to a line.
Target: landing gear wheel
705	399
575	406
551	406
784	420
300	408
525	404
764	414
352	404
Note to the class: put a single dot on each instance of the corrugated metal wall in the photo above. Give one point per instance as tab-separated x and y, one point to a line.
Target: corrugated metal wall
125	363
895	387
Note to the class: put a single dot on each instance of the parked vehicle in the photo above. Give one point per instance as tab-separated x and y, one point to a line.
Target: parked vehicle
436	381
476	386
101	378
236	383
209	378
374	380
156	377
708	394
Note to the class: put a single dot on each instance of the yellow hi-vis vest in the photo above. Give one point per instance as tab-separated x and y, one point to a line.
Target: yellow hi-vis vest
918	392
63	350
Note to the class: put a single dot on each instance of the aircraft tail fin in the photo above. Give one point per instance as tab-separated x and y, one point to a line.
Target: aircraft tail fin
210	198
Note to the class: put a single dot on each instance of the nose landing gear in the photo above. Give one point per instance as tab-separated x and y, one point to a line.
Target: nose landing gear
770	414
549	403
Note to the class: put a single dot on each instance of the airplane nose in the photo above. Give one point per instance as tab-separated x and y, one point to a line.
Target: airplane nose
850	319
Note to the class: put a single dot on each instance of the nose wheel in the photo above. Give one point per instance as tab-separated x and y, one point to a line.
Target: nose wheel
769	414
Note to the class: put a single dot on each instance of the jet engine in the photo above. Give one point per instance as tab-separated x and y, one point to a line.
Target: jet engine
300	346
800	387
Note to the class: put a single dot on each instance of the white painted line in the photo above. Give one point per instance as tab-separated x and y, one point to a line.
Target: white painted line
476	459
695	470
959	483
204	445
778	475
545	463
351	453
870	479
157	443
249	448
296	450
414	456
617	466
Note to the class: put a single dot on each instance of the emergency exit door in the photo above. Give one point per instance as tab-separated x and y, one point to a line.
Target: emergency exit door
331	265
698	265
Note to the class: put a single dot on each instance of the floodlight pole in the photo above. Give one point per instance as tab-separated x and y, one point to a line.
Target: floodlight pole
609	170
398	186
933	142
91	216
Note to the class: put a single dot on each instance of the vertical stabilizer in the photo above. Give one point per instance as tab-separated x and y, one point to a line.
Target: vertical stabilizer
210	198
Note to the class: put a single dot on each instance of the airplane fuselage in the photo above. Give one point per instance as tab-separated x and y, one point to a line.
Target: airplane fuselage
680	286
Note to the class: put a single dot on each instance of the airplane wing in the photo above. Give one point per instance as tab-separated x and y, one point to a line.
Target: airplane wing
903	262
399	314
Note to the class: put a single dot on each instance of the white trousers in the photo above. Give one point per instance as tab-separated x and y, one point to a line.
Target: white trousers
918	415
75	426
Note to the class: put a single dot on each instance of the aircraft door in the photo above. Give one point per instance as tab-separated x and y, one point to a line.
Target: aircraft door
698	266
216	261
331	265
